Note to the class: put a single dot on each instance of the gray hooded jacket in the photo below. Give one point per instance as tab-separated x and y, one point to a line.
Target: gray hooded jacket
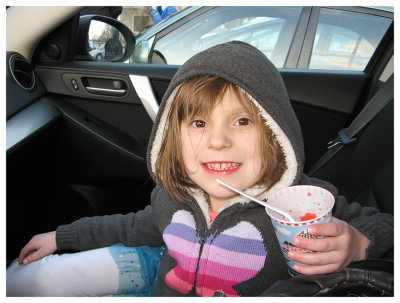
238	253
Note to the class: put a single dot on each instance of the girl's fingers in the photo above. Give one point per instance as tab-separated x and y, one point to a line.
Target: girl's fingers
332	229
339	246
315	244
25	252
31	258
309	258
315	270
39	246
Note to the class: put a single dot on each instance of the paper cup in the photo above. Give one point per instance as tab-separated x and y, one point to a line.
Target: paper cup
307	205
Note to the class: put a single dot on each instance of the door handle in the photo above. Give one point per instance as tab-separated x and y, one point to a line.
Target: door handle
112	87
106	91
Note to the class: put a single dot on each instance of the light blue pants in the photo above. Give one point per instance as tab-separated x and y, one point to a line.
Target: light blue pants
112	271
138	268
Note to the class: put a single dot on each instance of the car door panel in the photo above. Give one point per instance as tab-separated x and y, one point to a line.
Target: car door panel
335	90
67	167
323	100
103	131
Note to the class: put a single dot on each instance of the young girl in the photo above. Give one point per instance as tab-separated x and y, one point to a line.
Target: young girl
226	115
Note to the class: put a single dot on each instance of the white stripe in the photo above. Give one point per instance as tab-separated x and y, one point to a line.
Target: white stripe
143	89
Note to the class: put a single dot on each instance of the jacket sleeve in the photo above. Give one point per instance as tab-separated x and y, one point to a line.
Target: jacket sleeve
133	229
377	226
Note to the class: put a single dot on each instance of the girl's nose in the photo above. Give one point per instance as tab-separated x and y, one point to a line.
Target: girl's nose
219	138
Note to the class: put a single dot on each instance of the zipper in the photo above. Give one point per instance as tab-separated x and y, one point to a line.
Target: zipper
203	240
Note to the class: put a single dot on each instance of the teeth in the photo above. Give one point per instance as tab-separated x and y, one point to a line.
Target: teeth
222	166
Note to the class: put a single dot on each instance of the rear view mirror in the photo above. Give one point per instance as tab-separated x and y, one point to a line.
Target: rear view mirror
102	38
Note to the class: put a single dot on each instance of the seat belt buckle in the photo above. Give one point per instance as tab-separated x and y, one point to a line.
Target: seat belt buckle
342	139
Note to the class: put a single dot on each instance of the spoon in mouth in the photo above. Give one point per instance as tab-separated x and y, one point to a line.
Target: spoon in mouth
283	213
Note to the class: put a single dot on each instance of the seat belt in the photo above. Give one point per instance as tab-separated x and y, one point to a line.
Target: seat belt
347	135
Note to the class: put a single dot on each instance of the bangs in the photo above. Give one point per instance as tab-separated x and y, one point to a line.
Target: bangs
199	96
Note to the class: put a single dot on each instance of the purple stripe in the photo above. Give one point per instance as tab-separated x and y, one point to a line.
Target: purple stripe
182	231
182	246
237	244
241	260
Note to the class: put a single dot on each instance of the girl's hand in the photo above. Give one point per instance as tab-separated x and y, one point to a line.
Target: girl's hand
38	247
342	245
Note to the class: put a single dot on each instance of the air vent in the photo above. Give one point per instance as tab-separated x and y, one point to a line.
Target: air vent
22	72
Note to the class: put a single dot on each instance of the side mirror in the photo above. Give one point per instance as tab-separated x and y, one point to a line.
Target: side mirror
102	38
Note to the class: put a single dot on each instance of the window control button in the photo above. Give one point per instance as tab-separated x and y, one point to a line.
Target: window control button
74	84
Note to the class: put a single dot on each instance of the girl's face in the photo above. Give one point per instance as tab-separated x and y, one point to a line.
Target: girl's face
226	146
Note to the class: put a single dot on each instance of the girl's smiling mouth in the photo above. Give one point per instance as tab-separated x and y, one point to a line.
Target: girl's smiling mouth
221	168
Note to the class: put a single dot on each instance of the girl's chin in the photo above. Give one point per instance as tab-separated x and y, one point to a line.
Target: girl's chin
221	194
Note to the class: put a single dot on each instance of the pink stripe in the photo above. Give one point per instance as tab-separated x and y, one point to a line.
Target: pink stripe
225	272
184	275
174	282
184	247
226	257
187	263
212	283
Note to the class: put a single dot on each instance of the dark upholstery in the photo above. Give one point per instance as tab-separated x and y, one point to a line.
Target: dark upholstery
363	171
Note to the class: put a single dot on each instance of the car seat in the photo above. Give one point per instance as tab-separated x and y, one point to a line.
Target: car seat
363	170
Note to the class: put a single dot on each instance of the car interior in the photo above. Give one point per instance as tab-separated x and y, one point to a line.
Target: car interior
72	152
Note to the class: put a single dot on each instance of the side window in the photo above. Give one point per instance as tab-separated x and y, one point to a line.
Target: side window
346	40
270	29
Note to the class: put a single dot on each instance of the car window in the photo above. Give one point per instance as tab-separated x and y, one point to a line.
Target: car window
270	29
346	40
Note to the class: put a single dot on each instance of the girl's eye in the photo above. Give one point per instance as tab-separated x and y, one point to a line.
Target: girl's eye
198	124
243	122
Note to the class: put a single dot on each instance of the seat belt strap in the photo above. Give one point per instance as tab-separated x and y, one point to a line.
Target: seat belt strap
347	135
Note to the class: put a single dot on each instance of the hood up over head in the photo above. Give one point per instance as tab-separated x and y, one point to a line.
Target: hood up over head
249	69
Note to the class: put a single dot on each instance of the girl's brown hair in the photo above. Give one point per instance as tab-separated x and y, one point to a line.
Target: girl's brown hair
199	96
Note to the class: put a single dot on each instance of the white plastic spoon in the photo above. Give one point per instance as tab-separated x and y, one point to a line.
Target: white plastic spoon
283	213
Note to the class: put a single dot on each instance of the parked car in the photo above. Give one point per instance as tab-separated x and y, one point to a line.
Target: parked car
98	53
78	129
